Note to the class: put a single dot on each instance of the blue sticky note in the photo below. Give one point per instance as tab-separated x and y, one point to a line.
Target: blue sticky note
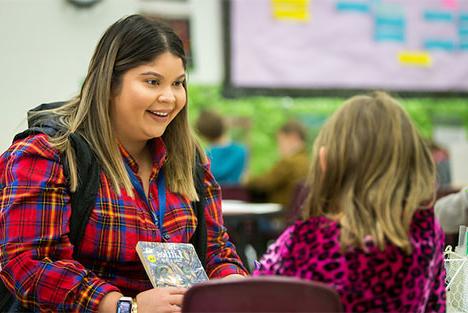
463	45
463	17
361	7
381	36
435	44
438	16
463	20
463	31
396	21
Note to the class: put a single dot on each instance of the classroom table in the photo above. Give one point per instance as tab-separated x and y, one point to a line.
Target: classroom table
242	208
246	223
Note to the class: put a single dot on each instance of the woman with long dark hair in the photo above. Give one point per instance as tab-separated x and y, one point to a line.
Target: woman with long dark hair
132	112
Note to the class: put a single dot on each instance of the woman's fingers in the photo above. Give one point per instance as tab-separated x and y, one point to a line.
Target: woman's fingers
176	309
176	290
176	299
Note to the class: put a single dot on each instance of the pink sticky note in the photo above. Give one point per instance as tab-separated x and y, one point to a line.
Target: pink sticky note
450	4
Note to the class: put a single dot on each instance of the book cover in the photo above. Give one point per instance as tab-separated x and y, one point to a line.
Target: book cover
171	264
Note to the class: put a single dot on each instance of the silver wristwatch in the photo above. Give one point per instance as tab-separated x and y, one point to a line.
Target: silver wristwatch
124	305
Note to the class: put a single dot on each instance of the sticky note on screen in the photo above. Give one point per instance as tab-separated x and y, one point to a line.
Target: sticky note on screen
418	59
296	10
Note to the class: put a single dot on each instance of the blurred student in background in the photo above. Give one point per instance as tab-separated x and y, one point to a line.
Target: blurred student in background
228	165
279	183
132	111
368	231
228	159
442	162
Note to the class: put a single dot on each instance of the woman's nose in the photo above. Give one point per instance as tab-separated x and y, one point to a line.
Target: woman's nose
167	95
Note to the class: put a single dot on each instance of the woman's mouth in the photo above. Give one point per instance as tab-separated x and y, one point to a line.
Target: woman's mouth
159	115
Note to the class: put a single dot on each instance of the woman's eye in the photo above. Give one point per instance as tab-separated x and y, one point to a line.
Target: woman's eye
153	82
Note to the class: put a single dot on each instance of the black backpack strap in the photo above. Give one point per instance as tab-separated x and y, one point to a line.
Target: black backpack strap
199	238
34	131
41	125
7	299
83	200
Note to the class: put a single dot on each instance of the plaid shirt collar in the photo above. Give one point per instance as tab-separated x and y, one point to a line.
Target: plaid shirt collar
159	155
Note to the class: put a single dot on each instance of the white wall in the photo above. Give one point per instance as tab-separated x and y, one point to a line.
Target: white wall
206	34
45	47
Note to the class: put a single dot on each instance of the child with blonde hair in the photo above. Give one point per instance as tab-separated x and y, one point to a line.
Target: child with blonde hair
368	231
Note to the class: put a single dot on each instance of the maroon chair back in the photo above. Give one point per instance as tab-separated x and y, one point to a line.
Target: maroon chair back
235	192
261	294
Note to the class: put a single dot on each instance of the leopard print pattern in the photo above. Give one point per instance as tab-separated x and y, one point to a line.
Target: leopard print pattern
367	279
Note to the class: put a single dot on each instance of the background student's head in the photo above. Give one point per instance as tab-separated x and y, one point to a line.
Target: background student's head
291	138
211	125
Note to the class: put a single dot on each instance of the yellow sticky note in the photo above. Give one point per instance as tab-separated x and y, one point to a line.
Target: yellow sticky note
297	10
421	59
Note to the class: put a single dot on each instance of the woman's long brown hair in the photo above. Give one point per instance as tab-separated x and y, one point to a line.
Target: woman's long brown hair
128	43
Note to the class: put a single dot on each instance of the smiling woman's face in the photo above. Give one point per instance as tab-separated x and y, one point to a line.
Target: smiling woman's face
150	97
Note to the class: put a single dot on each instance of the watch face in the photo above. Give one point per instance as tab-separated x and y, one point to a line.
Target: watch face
124	306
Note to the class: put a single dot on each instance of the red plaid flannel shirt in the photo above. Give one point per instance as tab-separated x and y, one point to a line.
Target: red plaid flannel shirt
36	255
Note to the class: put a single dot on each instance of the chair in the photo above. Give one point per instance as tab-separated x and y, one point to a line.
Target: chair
261	294
235	192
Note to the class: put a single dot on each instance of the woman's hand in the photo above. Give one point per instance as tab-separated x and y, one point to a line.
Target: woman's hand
160	300
233	277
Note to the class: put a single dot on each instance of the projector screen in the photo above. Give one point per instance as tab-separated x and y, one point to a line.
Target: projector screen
310	46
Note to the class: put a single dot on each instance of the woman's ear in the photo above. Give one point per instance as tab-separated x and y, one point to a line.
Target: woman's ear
323	159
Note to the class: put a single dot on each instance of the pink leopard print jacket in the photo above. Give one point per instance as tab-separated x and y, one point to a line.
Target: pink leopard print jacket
368	280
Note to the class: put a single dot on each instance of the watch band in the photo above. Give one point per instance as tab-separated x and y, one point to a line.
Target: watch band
124	305
134	306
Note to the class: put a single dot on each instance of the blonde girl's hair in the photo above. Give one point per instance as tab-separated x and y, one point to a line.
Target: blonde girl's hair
128	43
378	171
